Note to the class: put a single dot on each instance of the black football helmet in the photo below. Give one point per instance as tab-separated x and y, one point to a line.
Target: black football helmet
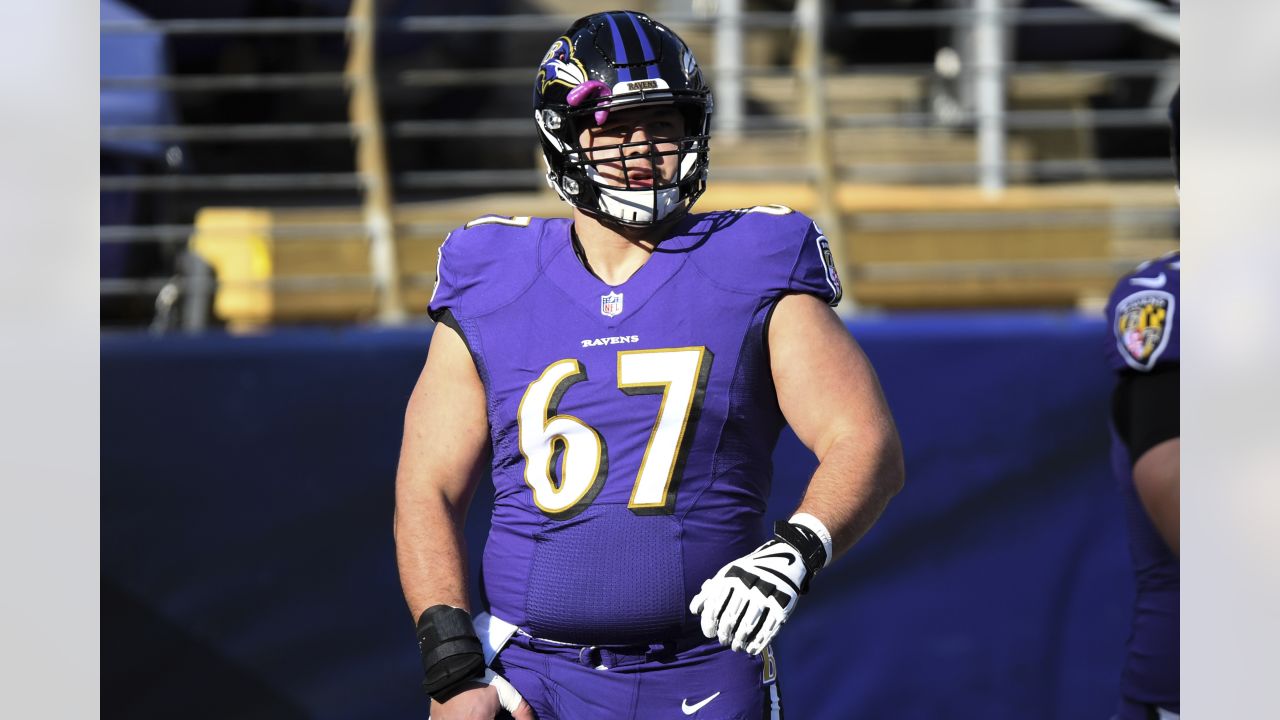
611	61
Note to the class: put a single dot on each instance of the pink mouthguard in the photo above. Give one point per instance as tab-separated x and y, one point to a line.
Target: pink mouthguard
585	92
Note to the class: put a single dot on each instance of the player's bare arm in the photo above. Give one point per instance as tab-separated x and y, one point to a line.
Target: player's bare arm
1157	478
830	396
445	438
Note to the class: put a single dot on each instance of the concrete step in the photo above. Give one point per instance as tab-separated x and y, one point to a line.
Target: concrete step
937	246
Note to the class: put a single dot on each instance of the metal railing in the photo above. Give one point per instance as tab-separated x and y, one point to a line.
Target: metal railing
986	70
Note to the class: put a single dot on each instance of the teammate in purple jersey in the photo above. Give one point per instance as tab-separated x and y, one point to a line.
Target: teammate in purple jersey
1144	350
625	375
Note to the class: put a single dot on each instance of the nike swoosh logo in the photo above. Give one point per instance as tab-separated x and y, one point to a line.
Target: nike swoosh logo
1155	282
786	556
688	709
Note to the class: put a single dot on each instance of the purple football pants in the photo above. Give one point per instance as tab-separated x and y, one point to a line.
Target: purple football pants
706	681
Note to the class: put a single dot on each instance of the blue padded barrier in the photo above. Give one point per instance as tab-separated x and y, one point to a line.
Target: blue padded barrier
248	563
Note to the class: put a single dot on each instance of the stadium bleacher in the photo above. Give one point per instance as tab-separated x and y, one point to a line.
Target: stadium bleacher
1072	213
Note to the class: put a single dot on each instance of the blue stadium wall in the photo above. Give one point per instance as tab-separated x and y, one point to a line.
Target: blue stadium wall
248	567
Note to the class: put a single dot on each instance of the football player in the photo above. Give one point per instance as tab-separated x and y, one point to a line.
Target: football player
625	375
1144	350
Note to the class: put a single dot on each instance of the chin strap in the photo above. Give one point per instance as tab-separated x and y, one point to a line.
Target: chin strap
639	206
634	206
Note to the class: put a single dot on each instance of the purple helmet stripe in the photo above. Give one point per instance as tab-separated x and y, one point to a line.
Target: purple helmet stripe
651	70
624	73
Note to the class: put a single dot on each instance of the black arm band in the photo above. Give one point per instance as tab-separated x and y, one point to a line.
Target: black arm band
1144	409
451	652
808	543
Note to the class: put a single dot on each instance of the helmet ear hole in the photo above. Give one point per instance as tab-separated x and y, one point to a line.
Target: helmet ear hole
570	186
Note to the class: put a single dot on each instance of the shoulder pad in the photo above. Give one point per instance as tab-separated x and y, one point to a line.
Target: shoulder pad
486	263
770	249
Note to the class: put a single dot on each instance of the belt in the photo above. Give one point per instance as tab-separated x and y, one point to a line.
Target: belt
604	657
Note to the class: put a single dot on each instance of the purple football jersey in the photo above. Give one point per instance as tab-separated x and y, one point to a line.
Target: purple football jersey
1143	313
632	426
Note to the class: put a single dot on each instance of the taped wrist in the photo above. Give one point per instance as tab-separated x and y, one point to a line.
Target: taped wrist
451	652
813	551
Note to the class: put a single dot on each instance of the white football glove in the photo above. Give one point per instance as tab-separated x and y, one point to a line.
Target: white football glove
747	601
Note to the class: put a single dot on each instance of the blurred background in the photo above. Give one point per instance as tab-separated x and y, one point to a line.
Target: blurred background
277	176
275	162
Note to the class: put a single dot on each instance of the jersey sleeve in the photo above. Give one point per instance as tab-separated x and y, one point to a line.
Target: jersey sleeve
482	265
771	250
815	271
450	286
1143	318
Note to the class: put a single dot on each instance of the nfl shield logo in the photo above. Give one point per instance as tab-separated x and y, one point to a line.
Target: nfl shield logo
611	304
